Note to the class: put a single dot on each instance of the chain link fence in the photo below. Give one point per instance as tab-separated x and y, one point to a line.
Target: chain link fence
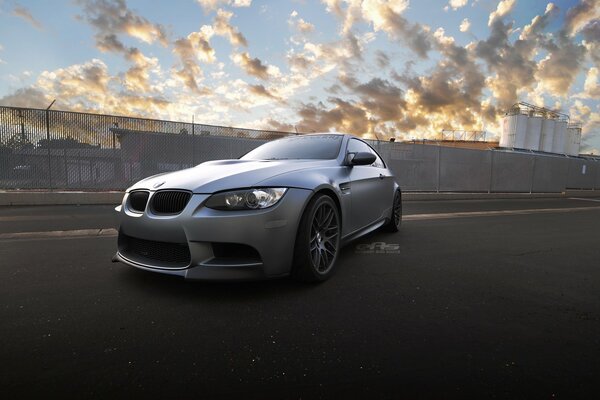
47	149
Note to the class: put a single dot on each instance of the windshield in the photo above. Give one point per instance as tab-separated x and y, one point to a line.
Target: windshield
312	147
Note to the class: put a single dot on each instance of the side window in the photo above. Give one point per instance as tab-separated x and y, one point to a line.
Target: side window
378	161
356	146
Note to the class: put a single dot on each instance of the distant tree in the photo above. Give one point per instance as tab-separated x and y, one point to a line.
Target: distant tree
18	141
68	143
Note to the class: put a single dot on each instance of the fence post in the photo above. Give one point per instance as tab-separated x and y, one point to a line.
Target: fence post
193	144
439	167
534	158
48	139
491	170
48	144
568	171
595	175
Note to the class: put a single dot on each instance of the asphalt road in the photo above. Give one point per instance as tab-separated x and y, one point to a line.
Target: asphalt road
471	305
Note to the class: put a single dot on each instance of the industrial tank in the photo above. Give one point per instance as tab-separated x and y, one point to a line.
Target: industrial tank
573	141
547	135
514	131
534	133
560	133
504	134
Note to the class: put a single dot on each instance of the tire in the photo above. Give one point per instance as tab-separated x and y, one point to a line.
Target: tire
395	221
318	241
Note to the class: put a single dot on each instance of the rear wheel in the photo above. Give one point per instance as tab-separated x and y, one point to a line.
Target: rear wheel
396	220
318	241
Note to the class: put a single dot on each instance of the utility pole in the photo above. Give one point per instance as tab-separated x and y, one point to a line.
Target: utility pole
48	143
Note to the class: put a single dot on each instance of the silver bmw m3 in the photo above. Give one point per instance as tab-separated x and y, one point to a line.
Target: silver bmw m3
284	208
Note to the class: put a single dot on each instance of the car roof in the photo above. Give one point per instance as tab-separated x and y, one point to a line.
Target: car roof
328	133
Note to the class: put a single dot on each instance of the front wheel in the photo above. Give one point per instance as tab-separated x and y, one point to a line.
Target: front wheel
318	241
395	221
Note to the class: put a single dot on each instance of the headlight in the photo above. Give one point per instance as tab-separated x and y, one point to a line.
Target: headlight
250	199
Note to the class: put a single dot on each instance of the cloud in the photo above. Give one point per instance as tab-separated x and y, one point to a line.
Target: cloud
223	27
211	5
26	97
504	7
112	17
25	14
538	23
372	87
137	77
591	34
558	70
511	64
580	15
382	59
189	72
384	16
85	81
591	87
449	96
300	24
344	116
590	120
189	51
252	66
456	4
86	87
260	90
465	25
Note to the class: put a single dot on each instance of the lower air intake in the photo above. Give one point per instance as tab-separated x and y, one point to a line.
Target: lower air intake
153	253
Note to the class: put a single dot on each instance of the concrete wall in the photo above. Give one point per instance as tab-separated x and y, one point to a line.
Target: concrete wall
415	166
464	170
421	167
549	174
582	174
512	172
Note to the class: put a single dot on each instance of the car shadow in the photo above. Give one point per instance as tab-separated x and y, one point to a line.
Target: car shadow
174	286
158	284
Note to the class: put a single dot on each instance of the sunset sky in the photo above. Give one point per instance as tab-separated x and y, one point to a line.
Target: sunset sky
373	67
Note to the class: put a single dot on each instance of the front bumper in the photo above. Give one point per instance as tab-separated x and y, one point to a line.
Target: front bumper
271	232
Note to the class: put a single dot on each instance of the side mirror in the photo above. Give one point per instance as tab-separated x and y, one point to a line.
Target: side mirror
363	158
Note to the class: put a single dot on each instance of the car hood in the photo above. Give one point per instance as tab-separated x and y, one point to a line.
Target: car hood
215	176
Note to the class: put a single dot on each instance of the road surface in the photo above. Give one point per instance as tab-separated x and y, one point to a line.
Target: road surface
488	298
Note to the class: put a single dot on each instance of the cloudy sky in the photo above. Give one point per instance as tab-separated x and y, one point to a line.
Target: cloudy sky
372	67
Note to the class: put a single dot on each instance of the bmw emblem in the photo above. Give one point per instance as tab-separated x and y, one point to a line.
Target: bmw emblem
158	184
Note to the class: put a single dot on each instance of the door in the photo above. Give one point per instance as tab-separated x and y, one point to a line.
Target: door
370	186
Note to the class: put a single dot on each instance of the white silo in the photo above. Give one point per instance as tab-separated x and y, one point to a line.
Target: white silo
560	133
573	139
547	134
504	142
576	141
514	131
534	132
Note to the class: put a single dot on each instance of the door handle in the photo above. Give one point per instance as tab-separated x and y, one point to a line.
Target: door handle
381	176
